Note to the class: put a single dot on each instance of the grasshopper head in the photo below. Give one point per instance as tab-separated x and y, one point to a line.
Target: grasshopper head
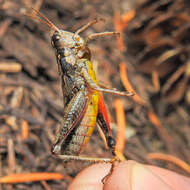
64	39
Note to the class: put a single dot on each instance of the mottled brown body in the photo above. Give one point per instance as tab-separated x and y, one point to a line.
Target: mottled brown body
80	103
83	103
80	95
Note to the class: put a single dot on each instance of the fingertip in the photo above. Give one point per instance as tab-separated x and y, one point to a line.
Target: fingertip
91	177
132	175
119	179
128	175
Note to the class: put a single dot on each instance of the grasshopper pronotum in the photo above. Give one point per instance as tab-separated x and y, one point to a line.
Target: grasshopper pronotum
83	102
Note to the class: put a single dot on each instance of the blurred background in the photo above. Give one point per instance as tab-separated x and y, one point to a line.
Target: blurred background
151	58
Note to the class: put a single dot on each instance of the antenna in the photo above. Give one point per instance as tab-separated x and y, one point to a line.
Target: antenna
43	19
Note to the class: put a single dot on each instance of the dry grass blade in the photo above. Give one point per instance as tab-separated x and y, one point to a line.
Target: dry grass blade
161	130
169	158
120	23
118	28
167	55
128	86
121	124
29	177
45	185
155	81
24	129
173	78
127	17
10	67
11	156
4	26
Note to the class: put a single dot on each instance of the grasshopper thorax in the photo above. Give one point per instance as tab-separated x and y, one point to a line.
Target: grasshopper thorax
69	48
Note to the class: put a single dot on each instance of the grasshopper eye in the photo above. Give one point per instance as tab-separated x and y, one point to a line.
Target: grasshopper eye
55	40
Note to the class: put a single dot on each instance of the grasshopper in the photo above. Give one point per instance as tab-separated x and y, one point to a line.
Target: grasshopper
83	103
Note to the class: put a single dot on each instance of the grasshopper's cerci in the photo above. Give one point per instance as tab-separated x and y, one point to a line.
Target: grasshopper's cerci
83	102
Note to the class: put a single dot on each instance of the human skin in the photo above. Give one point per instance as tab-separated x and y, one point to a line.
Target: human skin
129	175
